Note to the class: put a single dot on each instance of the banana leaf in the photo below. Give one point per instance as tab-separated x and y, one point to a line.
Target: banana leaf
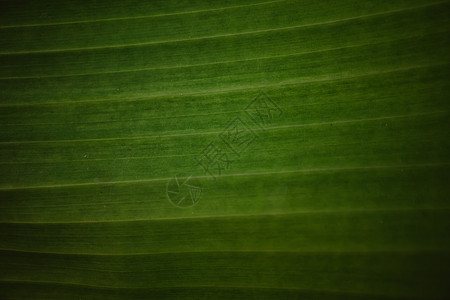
285	149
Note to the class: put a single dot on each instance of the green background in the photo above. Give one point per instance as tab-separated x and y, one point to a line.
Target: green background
343	196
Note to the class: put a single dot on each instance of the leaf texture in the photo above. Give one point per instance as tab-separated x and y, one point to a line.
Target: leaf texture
286	149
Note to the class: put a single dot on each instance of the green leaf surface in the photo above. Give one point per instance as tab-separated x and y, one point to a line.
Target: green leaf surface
286	149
